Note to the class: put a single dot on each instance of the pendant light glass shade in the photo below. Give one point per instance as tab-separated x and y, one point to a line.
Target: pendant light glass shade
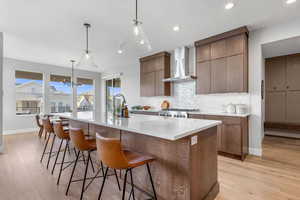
87	60
140	36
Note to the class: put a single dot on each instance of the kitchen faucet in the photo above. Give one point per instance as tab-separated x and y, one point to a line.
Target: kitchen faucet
118	110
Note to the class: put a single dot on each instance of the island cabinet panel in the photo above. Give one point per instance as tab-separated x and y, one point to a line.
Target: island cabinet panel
153	70
227	63
181	171
233	136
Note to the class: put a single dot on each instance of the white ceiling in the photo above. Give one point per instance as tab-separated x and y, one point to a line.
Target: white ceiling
282	47
52	32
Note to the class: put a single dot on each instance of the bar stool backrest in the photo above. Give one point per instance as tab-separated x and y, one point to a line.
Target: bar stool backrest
78	139
110	152
58	129
47	125
37	118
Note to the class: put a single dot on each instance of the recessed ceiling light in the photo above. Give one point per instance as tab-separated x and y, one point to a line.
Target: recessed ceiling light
176	28
229	5
120	51
290	1
142	42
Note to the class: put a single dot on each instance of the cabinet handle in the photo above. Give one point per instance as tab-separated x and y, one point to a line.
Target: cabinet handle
287	87
274	88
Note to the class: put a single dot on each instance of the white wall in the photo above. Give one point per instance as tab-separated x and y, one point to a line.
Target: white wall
256	74
13	123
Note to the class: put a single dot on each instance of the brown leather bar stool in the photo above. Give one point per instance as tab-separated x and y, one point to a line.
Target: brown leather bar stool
41	130
83	145
48	131
111	154
63	135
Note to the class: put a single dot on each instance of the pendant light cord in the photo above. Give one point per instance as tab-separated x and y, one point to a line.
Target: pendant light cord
136	10
87	38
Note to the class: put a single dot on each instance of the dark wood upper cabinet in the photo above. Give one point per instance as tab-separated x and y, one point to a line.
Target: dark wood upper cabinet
222	63
218	75
203	53
218	49
202	71
154	69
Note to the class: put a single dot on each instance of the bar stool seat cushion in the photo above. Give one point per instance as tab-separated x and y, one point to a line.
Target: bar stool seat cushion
136	159
91	144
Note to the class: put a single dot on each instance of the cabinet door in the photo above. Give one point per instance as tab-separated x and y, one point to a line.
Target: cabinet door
235	45
148	84
220	130
218	75
232	139
235	74
276	107
218	49
293	106
203	74
293	72
203	53
276	74
159	84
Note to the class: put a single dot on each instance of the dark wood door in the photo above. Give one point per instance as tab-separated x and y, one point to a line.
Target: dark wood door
232	139
203	73
235	45
218	49
235	73
148	84
276	106
293	106
293	72
159	84
203	53
218	75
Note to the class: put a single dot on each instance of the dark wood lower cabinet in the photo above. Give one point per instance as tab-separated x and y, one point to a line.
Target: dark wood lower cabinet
233	139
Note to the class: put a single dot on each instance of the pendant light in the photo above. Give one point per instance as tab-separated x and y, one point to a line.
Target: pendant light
87	60
138	32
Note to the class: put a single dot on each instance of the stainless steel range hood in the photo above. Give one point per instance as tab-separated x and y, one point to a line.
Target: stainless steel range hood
181	66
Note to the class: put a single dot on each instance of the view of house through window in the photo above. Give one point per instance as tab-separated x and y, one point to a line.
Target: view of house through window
113	87
60	94
29	92
85	98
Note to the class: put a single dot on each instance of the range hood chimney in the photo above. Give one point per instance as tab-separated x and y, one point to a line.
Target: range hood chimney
181	66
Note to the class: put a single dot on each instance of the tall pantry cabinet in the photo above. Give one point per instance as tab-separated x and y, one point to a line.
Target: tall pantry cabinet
283	89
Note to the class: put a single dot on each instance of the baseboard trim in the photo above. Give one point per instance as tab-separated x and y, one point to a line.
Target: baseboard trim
19	131
255	151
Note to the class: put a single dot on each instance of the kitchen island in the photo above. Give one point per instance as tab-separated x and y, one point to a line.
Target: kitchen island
185	152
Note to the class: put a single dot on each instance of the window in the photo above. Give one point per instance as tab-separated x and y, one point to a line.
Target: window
85	98
60	94
29	92
113	87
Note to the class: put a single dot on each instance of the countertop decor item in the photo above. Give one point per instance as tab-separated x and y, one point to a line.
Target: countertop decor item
241	108
165	105
230	108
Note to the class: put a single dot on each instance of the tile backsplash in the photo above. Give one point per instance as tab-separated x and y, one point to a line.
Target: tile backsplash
184	97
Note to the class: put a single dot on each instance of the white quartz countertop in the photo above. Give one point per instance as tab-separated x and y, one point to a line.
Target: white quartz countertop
156	126
217	113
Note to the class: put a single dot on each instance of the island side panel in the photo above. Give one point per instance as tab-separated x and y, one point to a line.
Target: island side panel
170	171
204	166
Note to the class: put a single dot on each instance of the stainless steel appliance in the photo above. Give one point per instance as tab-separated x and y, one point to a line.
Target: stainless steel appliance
175	112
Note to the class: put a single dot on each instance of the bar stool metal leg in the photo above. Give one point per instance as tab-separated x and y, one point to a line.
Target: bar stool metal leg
103	182
45	147
50	154
124	186
53	168
117	179
132	185
62	162
67	191
84	178
151	180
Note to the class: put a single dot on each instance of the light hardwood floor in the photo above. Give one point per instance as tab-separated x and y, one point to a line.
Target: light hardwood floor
275	176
